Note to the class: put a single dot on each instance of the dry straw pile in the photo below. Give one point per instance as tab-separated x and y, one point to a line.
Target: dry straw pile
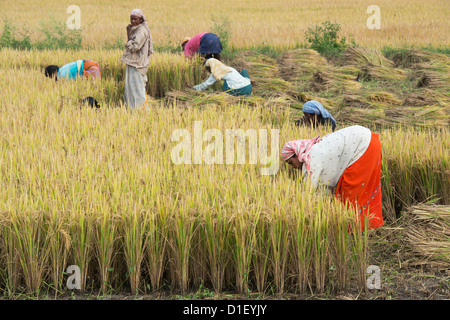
427	235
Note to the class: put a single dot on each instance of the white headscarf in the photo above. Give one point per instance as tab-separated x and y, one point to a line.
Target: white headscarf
139	13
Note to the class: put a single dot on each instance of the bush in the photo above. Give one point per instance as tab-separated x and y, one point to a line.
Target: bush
56	36
9	39
221	27
325	39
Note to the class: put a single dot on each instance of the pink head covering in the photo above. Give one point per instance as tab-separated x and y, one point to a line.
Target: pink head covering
139	13
301	149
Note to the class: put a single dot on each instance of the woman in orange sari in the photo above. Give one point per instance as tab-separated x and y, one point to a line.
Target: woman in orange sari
349	161
71	71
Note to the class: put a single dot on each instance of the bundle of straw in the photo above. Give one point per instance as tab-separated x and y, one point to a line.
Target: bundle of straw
412	57
381	73
433	74
428	235
331	80
386	98
362	56
299	64
426	97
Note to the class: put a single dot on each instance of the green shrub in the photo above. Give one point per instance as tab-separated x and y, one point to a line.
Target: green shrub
9	38
325	39
221	27
58	36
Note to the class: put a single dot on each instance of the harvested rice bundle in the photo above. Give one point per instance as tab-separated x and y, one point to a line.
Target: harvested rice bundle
299	64
428	235
383	98
427	117
355	101
329	80
321	81
373	100
412	57
266	86
351	71
427	97
361	56
348	116
435	74
195	98
381	73
258	65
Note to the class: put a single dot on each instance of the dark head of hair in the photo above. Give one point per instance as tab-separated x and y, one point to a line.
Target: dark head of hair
52	71
184	44
91	102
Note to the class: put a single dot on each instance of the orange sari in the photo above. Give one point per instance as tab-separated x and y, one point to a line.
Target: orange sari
360	185
91	69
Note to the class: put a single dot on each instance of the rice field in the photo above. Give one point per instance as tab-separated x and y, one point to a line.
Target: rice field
98	188
251	23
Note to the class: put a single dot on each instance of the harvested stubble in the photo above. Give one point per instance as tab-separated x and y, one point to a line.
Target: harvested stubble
427	235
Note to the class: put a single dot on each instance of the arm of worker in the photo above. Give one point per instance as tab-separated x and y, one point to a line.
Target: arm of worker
203	86
136	43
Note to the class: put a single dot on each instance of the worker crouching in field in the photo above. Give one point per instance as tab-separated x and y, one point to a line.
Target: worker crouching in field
315	113
234	83
138	49
348	160
81	68
206	44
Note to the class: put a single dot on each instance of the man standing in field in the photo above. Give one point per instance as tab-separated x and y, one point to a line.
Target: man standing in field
136	57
